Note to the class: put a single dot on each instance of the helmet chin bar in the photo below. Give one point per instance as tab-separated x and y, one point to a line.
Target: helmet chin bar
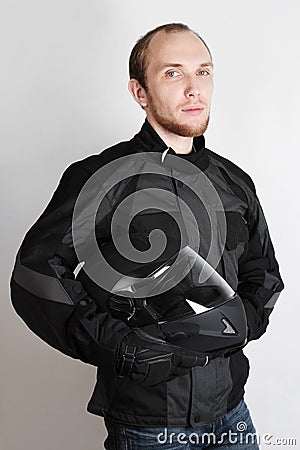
214	317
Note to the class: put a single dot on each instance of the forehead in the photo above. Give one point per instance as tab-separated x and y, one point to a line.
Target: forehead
176	47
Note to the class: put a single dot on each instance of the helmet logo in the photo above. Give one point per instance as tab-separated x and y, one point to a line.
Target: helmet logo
228	327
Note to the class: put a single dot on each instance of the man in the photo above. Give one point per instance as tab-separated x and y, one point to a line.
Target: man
148	392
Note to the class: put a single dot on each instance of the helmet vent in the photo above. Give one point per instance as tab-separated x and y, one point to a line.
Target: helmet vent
228	327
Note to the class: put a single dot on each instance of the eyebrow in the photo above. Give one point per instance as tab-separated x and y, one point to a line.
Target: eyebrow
206	64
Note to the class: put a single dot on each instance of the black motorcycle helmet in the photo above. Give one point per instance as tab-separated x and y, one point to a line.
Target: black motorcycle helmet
182	294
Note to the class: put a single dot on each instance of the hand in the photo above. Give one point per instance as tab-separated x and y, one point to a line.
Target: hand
149	360
141	354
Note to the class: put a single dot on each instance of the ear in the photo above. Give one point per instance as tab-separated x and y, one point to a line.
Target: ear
138	92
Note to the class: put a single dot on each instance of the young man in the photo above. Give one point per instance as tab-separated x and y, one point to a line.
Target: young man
148	392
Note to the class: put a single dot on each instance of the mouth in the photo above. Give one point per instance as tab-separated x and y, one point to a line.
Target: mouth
193	110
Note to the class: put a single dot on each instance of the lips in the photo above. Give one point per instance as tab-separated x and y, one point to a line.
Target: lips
193	110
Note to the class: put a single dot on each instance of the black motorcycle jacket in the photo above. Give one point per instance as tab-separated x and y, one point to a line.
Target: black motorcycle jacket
63	309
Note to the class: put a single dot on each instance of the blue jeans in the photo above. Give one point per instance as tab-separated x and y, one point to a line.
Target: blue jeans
235	430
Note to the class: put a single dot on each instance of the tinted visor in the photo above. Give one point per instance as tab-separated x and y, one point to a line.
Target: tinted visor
184	273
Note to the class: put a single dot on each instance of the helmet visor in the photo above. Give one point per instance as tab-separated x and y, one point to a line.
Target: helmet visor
185	273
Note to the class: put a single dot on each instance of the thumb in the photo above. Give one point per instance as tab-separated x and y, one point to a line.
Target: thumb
189	361
179	330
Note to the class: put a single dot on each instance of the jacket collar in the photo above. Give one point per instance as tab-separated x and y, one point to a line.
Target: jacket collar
150	141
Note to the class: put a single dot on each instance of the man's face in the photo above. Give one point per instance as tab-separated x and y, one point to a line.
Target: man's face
179	83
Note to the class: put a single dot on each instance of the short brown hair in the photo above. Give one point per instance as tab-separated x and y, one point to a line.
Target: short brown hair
138	56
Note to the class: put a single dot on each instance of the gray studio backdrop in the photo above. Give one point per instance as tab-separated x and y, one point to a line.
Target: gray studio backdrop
64	96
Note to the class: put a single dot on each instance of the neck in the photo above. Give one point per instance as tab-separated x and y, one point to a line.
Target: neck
180	144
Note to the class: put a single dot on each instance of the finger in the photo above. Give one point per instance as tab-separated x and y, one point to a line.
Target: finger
179	330
189	361
186	361
157	373
180	371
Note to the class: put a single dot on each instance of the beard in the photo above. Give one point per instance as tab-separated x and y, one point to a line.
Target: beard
170	124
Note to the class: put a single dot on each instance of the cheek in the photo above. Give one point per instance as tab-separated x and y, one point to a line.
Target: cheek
174	96
158	96
168	99
210	89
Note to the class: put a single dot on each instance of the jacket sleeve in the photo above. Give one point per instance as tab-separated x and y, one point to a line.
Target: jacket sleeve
260	282
44	291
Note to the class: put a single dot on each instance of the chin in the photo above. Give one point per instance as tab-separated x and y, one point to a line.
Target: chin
174	125
188	130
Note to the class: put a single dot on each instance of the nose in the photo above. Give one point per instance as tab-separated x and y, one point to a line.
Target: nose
192	88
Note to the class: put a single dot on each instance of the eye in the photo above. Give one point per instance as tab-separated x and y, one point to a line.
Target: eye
172	74
204	73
